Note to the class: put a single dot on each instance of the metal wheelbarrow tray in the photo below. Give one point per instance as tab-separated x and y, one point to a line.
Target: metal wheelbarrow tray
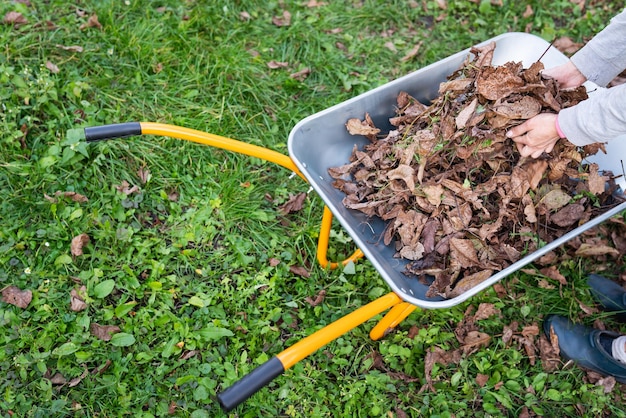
321	141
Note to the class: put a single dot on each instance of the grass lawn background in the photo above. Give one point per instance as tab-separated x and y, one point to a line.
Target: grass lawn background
188	254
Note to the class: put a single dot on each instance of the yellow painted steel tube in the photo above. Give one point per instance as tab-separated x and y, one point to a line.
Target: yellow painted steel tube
322	243
396	315
217	141
315	341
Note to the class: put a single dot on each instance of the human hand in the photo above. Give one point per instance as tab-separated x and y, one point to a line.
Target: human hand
535	136
567	75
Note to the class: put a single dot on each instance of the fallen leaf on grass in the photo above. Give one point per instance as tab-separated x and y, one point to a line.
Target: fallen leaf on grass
594	250
438	355
14	18
78	242
318	299
300	271
75	197
284	20
412	53
300	75
127	189
485	310
72	48
15	296
77	299
566	45
475	340
52	67
294	204
274	65
273	262
103	332
607	383
549	352
58	379
481	379
144	175
315	3
188	354
92	22
75	381
553	273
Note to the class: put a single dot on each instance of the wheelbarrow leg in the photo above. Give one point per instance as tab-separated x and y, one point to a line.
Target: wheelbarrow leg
322	243
265	373
396	315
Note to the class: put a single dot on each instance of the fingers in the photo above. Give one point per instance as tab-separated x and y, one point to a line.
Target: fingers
516	132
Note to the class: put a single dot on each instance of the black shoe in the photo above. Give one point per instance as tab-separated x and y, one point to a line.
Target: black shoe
588	347
610	294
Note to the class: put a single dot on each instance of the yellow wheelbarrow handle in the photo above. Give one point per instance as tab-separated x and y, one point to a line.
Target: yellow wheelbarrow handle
121	130
274	367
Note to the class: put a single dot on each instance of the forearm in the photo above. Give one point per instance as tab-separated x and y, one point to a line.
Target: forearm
600	118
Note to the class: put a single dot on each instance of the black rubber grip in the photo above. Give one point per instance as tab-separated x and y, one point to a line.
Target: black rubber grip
250	384
118	130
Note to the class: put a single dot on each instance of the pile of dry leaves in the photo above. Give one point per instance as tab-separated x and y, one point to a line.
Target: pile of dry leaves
459	201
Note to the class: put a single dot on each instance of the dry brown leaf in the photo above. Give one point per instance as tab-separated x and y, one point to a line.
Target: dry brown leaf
127	189
103	332
315	3
485	310
75	381
273	262
92	22
144	175
52	67
566	45
300	271
58	379
72	48
77	299
475	340
358	127
14	18
597	183
481	379
469	282
412	53
15	296
319	298
294	204
76	197
300	75
555	199
549	352
78	242
284	20
594	250
528	12
553	273
274	65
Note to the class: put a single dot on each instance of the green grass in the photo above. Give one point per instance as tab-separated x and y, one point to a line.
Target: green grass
193	283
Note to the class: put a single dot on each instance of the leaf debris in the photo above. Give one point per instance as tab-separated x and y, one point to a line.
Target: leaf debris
459	201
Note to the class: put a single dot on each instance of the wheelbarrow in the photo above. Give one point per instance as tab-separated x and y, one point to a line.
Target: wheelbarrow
321	141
